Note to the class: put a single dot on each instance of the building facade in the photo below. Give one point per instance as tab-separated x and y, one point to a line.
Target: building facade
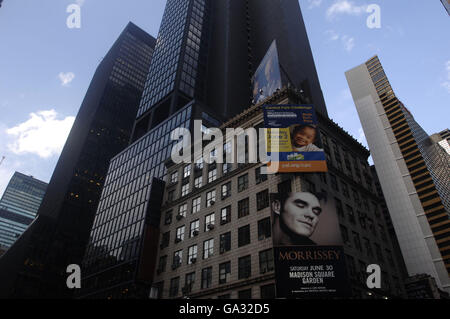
36	266
413	196
19	205
216	239
205	57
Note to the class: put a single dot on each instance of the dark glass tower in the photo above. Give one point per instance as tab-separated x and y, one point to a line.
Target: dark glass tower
18	206
205	56
36	265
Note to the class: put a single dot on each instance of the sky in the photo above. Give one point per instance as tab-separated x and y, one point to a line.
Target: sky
46	67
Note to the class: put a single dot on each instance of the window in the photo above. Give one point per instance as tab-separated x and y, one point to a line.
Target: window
196	205
198	182
212	175
226	168
187	171
208	248
189	283
244	236
192	254
174	287
260	178
225	242
174	177
242	183
345	190
171	196
268	292
195	228
351	214
180	234
266	261
182	210
285	187
210	222
206	277
168	218
199	164
262	200
162	264
185	189
225	215
357	241
264	229
339	207
177	259
210	198
224	273
245	267
368	247
243	208
334	182
245	294
344	233
226	190
165	240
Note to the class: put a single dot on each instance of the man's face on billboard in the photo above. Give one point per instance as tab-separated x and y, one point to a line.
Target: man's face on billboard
300	213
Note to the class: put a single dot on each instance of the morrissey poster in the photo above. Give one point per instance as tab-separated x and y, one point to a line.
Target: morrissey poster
293	139
267	78
308	253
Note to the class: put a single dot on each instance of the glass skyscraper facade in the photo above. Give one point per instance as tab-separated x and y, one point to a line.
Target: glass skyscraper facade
18	206
35	265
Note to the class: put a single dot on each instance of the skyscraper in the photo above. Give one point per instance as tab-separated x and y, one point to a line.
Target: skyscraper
418	213
206	54
35	266
18	207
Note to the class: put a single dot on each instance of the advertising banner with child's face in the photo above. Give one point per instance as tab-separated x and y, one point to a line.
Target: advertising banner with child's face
293	139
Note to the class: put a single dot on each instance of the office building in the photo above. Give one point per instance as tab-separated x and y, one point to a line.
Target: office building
36	265
18	206
215	231
412	192
205	57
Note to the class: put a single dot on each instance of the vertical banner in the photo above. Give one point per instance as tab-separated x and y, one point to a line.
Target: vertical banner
296	142
267	78
308	251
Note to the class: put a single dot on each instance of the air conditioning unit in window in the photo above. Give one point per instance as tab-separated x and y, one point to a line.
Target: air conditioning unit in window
174	266
222	250
195	233
223	221
263	271
193	260
178	240
211	226
211	202
180	217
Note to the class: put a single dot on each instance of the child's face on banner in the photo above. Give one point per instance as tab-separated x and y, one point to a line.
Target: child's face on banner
305	137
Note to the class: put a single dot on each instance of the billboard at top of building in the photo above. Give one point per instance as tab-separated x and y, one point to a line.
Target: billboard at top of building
308	250
267	78
446	4
293	139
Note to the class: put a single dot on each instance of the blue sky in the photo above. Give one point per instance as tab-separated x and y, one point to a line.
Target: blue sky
46	68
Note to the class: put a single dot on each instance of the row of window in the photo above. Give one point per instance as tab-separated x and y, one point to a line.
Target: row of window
244	271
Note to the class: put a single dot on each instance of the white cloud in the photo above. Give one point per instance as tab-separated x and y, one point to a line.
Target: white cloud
446	83
42	134
345	7
314	3
66	78
349	43
80	2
